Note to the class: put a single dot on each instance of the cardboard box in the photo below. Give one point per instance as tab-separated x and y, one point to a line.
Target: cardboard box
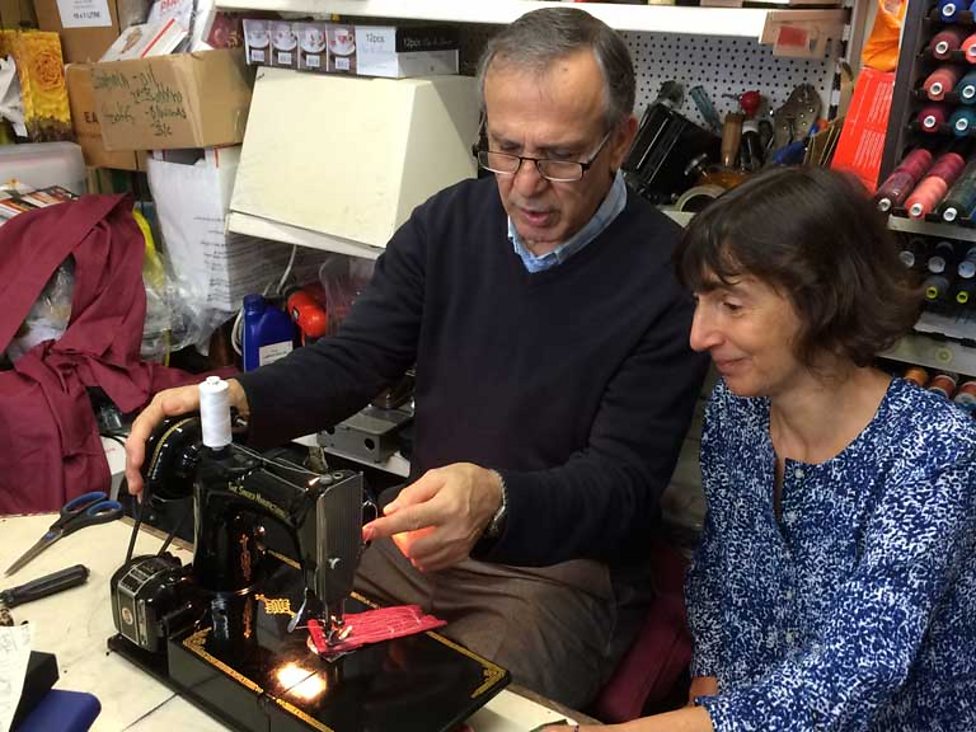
92	26
178	101
88	131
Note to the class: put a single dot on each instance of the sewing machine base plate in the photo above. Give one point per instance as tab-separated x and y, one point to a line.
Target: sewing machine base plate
231	668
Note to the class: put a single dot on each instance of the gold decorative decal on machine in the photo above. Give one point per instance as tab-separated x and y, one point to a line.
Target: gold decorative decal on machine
284	560
492	673
257	498
275	605
245	557
296	712
195	644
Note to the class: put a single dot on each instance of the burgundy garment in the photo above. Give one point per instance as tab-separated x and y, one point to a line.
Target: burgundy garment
50	450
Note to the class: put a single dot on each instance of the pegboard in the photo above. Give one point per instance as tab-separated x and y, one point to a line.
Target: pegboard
719	65
723	66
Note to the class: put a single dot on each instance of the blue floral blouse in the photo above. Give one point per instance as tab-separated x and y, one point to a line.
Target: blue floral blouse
856	609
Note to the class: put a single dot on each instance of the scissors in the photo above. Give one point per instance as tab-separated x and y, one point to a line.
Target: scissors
86	510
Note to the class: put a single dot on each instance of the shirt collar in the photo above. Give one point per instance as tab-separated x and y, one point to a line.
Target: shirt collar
611	207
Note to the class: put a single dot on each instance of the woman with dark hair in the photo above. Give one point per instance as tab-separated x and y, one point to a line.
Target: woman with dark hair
835	584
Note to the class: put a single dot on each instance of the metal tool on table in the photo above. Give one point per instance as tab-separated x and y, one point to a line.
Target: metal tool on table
85	510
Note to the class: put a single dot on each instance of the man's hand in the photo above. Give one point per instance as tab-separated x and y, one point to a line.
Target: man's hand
167	403
437	519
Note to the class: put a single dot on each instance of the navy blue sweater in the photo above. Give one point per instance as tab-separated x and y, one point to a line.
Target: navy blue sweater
576	383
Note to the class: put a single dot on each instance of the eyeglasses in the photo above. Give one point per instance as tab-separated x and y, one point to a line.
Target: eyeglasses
557	171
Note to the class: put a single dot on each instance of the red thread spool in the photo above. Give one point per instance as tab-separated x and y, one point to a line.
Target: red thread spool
926	196
944	384
917	375
902	180
969	46
940	81
932	117
945	42
948	167
966	393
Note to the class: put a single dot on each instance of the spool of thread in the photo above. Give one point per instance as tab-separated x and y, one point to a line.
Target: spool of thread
968	46
932	117
961	198
965	88
943	258
935	287
917	375
967	265
903	179
945	42
944	384
965	293
962	121
910	252
966	394
949	10
940	81
948	167
215	412
926	196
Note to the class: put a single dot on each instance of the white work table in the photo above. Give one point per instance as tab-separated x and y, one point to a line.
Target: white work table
75	624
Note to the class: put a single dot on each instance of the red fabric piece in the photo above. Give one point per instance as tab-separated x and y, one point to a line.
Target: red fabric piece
50	451
374	626
655	663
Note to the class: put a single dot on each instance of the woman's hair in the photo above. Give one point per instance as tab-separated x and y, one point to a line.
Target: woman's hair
540	37
815	236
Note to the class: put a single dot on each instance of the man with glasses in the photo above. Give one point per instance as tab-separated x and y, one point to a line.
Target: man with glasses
554	380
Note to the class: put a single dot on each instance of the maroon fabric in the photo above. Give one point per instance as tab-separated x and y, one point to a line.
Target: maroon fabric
49	445
655	663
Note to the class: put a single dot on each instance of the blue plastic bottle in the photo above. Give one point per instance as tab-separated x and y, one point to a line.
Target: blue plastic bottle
268	332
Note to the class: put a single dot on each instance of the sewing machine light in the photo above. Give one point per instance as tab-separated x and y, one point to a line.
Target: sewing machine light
300	682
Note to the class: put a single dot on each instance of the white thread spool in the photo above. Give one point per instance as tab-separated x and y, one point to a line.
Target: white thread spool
215	412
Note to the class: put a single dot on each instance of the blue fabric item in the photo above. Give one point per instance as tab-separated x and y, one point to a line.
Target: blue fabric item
64	711
611	207
856	610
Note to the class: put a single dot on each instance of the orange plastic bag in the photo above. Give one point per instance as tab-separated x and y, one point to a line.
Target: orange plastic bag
881	49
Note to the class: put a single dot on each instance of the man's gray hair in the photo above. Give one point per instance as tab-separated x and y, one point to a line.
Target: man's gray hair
537	39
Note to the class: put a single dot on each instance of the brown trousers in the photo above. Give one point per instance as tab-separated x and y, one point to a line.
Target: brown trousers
559	630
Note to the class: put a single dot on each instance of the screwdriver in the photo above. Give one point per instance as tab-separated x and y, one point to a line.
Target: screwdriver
49	584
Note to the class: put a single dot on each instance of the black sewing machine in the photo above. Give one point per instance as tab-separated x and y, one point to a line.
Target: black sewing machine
228	632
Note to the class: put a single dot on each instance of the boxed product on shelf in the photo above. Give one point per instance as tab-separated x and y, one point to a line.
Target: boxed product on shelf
87	29
312	55
394	52
398	52
178	101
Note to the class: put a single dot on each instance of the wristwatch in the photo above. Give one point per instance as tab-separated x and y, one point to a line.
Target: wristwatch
497	523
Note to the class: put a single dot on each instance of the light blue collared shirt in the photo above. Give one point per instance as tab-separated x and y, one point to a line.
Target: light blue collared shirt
611	207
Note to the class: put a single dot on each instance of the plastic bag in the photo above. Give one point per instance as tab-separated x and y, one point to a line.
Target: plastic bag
881	49
48	317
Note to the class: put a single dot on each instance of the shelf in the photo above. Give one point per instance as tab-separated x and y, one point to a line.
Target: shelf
934	353
396	464
931	228
736	22
241	223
